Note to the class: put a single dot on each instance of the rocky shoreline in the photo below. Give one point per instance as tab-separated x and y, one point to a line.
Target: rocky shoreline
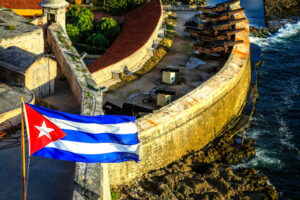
205	174
277	14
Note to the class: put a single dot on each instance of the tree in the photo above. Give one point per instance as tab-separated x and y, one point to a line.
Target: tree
119	7
80	18
108	27
73	32
98	40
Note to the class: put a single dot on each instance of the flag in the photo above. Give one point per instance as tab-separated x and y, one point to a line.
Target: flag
64	136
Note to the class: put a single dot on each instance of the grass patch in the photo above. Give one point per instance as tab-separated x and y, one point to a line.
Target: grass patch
170	27
89	94
166	43
114	195
186	47
10	27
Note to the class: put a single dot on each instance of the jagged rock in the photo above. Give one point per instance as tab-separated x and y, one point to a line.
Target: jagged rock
202	175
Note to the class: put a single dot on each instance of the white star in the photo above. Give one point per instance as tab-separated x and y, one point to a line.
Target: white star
44	130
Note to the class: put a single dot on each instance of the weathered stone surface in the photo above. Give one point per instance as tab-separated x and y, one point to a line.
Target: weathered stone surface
35	72
281	8
17	31
169	133
88	95
83	86
202	178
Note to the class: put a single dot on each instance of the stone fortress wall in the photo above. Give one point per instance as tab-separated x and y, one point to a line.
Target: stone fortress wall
167	134
84	88
194	120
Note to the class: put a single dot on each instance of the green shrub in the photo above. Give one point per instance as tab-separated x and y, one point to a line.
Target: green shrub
108	27
80	17
114	195
73	32
98	40
119	7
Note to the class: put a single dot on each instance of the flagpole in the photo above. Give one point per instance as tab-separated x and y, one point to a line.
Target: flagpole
104	183
23	150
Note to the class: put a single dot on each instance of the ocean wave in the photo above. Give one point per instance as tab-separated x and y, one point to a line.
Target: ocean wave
287	31
263	161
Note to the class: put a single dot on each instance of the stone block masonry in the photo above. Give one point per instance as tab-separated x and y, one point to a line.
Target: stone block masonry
186	124
86	92
84	88
169	133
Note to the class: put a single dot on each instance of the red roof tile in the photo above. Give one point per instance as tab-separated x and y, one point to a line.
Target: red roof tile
137	29
21	4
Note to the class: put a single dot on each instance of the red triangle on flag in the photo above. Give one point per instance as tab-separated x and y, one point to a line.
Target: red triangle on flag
40	130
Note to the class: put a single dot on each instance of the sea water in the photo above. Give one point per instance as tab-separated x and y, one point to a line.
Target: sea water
276	121
275	124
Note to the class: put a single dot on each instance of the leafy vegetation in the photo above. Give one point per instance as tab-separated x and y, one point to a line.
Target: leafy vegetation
114	195
79	22
119	7
185	2
82	28
73	32
108	27
98	39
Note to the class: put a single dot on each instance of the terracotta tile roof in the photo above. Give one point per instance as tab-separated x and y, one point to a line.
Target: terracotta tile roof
21	4
138	27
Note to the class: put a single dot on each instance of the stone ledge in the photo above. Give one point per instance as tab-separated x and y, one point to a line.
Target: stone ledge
169	133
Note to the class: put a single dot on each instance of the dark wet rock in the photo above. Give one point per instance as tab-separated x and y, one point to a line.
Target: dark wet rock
281	9
205	174
260	32
277	14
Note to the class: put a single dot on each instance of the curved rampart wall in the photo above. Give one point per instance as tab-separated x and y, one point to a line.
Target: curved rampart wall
194	120
140	30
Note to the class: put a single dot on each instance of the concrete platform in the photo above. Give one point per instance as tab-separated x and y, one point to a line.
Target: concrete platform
177	57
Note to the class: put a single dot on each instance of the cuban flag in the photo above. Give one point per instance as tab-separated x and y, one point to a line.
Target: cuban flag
77	138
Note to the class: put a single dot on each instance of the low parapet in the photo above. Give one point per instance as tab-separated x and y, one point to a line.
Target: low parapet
138	33
194	120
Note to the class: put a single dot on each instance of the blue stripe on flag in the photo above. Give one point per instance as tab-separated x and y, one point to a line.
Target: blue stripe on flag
74	157
100	119
127	139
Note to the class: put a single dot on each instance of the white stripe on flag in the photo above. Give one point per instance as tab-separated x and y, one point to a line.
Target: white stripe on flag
93	148
93	128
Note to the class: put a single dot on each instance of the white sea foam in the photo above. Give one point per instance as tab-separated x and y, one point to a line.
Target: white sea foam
263	160
287	31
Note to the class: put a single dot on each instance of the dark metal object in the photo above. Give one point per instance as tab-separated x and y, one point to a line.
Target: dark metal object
112	109
165	92
167	69
221	46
